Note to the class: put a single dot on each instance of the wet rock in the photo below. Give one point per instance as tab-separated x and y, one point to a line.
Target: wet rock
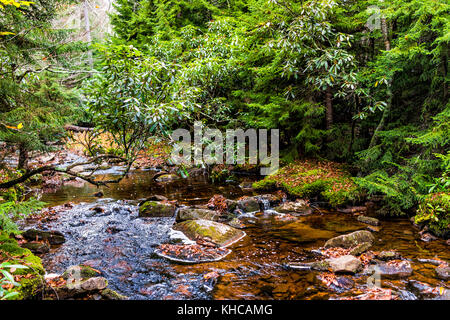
344	264
155	197
360	248
373	228
345	283
250	204
98	209
388	255
369	220
80	272
219	233
94	284
443	272
156	209
350	240
395	269
231	204
98	194
269	199
168	178
323	265
427	237
36	247
236	223
53	237
299	206
195	214
109	294
353	209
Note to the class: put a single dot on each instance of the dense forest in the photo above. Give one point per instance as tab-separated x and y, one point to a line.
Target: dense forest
358	90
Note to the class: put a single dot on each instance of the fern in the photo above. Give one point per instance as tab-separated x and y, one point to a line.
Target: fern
11	211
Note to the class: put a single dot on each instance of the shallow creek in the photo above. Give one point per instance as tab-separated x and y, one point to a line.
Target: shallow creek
121	246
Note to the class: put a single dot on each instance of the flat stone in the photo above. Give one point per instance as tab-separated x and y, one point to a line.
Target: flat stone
388	255
291	206
344	264
195	214
168	178
219	233
395	269
369	220
94	284
350	240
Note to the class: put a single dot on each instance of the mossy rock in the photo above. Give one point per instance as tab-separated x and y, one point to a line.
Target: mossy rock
185	214
369	220
168	178
156	209
219	233
29	287
350	240
81	271
109	294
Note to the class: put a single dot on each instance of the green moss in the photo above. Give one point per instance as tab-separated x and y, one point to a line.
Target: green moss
265	185
10	250
308	179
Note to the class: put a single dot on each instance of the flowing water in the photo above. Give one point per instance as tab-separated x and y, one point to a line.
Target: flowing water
121	245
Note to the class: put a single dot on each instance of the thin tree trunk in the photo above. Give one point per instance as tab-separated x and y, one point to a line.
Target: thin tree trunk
23	157
387	109
329	106
87	29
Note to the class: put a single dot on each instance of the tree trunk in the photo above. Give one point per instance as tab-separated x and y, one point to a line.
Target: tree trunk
87	28
23	157
329	106
387	109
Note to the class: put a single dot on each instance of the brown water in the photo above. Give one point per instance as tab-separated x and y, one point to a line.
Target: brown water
256	269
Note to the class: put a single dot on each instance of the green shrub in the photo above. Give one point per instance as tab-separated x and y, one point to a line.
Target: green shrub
434	211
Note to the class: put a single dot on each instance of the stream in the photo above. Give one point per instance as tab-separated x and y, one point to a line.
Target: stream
115	241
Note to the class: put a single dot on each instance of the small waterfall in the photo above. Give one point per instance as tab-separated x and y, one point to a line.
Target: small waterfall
265	204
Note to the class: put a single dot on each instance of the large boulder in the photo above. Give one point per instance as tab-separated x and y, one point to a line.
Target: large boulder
53	237
219	233
350	240
156	209
250	204
185	214
344	264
